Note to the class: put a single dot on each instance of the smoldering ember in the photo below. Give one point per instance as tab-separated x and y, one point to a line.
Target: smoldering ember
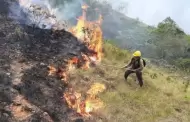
35	66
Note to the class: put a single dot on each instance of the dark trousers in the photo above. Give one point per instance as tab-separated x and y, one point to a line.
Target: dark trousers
138	74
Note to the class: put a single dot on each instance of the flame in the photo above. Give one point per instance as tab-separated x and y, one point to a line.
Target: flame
52	70
60	72
96	88
72	99
84	7
86	62
93	104
90	104
73	61
89	33
63	75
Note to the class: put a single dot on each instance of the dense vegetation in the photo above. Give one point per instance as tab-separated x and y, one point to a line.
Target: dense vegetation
173	43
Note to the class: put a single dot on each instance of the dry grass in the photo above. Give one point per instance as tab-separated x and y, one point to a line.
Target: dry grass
162	99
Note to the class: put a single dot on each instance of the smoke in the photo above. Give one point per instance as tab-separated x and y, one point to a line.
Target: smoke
152	12
44	13
66	10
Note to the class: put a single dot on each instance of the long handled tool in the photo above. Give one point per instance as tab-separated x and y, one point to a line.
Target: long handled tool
117	67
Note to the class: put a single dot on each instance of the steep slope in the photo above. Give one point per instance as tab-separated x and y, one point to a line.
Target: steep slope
128	32
165	96
27	93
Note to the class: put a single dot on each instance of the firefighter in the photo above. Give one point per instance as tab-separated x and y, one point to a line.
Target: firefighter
136	66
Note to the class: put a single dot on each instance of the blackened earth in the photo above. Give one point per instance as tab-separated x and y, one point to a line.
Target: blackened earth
27	93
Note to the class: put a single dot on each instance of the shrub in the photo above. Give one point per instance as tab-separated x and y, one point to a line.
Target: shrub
184	64
114	53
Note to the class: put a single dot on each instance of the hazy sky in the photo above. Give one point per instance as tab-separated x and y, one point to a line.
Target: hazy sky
154	11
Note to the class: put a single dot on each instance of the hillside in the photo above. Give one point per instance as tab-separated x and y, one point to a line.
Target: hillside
29	93
160	42
165	96
129	33
132	34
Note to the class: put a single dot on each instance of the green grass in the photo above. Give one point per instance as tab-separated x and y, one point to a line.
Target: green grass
162	98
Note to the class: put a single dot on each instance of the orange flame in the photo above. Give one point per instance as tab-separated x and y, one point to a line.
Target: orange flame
52	70
91	103
84	6
72	99
91	34
63	75
86	62
60	72
73	61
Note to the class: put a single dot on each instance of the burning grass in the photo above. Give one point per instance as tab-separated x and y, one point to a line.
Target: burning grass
158	100
123	100
90	34
98	92
84	106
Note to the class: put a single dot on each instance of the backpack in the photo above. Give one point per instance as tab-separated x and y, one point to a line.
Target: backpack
144	62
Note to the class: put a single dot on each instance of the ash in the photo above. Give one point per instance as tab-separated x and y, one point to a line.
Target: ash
27	94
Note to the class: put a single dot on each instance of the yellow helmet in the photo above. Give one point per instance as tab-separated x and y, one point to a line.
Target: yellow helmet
137	54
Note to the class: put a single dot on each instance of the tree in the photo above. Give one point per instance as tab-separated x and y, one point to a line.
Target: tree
169	26
188	38
169	39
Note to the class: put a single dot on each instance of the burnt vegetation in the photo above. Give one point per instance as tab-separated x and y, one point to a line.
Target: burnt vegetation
25	53
28	94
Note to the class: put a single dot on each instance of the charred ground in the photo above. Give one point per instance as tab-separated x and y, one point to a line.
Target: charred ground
26	92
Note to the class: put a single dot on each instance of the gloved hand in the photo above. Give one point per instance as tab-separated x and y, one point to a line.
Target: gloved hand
123	67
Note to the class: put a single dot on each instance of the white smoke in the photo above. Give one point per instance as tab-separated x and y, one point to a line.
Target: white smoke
43	14
149	11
